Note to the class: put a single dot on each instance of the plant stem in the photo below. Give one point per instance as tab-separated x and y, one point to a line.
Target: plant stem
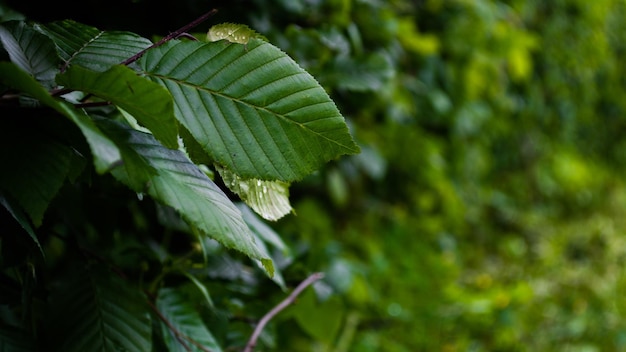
171	36
279	307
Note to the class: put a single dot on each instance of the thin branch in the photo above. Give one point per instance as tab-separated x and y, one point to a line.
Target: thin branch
279	307
171	36
177	33
179	335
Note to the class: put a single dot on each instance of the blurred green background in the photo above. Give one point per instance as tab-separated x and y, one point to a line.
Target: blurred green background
486	211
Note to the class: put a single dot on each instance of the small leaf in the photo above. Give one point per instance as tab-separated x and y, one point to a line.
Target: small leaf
270	199
184	329
321	320
202	288
22	219
146	101
30	50
253	110
234	33
105	153
180	184
90	47
97	311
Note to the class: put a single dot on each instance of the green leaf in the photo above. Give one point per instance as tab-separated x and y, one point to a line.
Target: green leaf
21	219
30	50
270	199
189	331
90	47
232	32
254	110
202	288
321	320
266	233
146	101
45	162
105	153
183	186
97	311
370	73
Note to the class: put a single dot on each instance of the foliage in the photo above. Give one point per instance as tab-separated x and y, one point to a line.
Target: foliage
484	212
75	96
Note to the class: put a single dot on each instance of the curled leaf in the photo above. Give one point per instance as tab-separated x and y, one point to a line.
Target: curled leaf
270	199
234	33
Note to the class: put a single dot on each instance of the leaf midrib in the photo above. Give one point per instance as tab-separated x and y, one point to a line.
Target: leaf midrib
261	108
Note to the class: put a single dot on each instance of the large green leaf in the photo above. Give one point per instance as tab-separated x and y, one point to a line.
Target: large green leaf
184	329
90	47
30	50
97	311
182	185
252	108
105	153
146	101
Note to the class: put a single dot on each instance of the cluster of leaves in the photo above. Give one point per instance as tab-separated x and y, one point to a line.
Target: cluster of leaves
88	264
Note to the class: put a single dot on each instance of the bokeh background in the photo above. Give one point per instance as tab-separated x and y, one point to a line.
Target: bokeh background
486	211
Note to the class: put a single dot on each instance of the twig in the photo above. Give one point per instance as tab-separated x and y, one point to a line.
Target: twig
170	36
279	307
179	336
177	33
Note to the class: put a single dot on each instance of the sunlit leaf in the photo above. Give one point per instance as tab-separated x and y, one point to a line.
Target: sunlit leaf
232	32
183	329
270	199
253	109
146	101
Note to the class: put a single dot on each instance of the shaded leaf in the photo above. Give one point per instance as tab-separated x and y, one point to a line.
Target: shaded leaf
90	47
21	219
182	185
30	50
44	161
14	340
370	73
190	332
105	153
253	110
146	101
270	199
97	311
202	288
321	320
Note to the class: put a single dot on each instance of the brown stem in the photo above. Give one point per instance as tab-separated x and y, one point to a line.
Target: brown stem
170	36
177	33
279	307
